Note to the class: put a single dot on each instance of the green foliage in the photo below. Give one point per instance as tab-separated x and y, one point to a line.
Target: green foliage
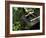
17	13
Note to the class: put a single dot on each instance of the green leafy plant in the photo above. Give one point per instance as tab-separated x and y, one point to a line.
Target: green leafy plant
17	14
